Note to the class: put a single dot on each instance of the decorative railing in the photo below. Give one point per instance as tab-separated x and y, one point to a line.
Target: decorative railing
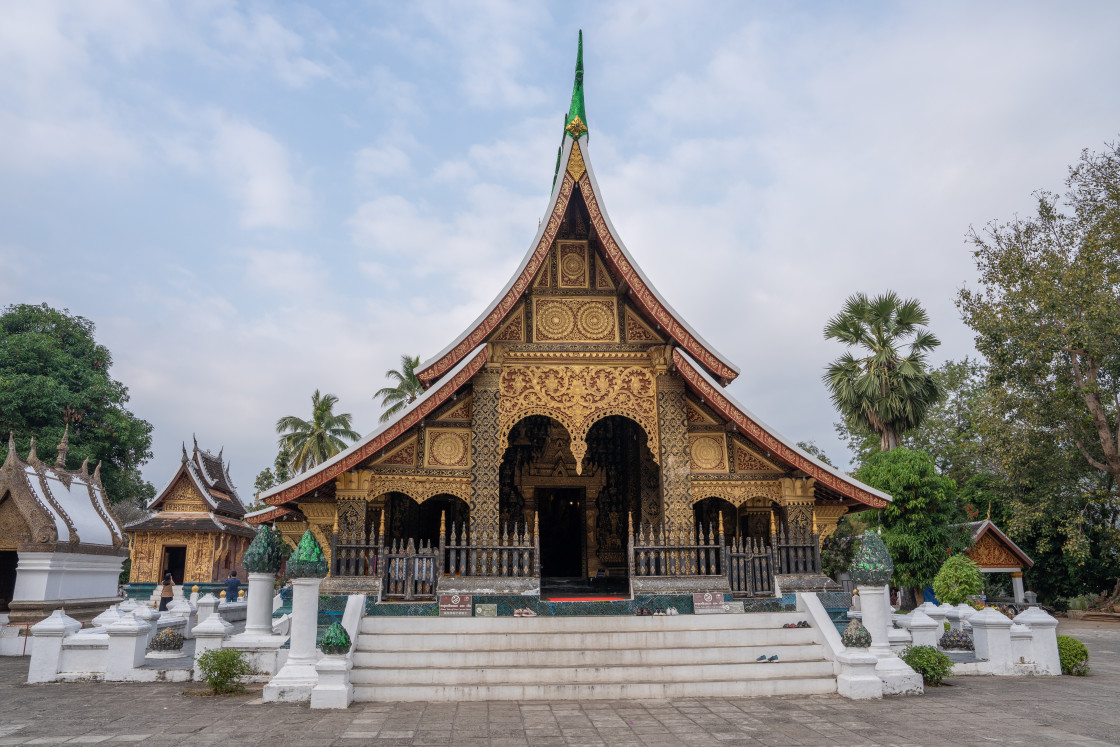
355	554
799	550
412	572
750	567
668	550
511	552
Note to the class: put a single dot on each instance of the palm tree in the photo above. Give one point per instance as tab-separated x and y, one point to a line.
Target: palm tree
314	441
888	390
408	388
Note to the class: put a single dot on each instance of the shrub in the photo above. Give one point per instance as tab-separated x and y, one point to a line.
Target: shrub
927	661
1060	604
1073	655
956	639
958	579
223	668
167	639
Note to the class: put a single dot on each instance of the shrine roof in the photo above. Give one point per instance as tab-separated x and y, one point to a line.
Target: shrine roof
752	427
210	475
191	522
574	166
978	529
369	445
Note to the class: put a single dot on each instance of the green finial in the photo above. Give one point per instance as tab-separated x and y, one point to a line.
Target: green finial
335	640
267	552
575	124
307	561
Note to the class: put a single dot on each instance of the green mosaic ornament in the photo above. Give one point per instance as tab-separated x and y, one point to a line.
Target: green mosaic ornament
167	639
872	565
856	636
335	640
307	561
266	553
575	123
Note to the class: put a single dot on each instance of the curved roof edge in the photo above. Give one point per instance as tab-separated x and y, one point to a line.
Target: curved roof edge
642	291
751	425
366	447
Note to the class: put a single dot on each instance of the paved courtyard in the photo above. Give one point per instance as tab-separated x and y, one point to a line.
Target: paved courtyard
974	710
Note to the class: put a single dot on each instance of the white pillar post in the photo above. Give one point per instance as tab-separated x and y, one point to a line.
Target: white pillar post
924	630
1044	639
297	677
1017	587
128	641
207	606
876	609
258	615
209	635
857	679
991	639
47	651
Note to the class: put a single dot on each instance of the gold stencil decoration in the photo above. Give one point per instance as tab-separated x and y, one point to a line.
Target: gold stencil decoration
577	397
747	461
603	280
402	456
514	328
584	319
637	330
708	452
696	415
574	271
448	448
544	274
576	167
989	552
460	411
739	492
184	497
420	488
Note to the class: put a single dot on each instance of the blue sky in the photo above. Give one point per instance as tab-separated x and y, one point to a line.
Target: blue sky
253	200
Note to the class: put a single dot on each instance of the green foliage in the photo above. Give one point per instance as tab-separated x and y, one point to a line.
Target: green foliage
958	579
167	639
314	441
53	373
307	561
811	448
126	571
888	390
871	564
335	640
839	548
1073	656
267	552
927	661
223	668
407	388
855	635
265	480
918	524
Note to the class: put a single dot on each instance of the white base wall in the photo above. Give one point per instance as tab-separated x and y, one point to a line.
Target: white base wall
51	576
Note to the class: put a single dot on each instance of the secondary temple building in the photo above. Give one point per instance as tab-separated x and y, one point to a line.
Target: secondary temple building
573	431
198	534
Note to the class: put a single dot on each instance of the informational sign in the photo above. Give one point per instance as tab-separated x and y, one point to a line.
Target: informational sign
734	607
455	605
708	603
486	610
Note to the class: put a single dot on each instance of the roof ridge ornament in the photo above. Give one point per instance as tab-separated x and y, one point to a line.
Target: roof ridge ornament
63	448
12	455
575	124
32	457
185	452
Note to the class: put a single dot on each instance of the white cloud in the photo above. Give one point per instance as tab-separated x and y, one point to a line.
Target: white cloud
381	161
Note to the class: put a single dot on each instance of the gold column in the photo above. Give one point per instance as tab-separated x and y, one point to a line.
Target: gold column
798	502
485	459
676	485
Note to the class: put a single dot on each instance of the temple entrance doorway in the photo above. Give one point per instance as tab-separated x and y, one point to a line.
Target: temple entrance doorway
175	563
9	559
563	532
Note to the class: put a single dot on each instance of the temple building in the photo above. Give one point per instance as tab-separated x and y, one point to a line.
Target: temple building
579	417
198	533
59	545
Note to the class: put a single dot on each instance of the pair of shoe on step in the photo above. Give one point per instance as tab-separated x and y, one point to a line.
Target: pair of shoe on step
771	660
802	624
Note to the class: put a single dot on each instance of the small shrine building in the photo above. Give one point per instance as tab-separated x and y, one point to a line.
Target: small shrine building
579	408
198	534
59	544
994	552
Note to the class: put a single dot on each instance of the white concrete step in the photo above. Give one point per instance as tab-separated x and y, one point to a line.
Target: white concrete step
426	625
574	675
623	657
528	639
610	691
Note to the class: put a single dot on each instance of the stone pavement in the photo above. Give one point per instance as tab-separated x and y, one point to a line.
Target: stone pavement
974	710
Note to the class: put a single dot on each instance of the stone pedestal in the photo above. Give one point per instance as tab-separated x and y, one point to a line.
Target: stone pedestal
924	630
128	640
897	677
297	677
258	616
209	635
991	639
1017	587
858	679
261	647
47	652
1044	639
333	690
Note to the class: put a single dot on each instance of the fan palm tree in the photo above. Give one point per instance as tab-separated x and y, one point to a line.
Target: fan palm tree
408	388
890	389
314	441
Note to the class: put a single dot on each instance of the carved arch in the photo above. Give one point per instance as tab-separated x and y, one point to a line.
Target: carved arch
420	489
760	494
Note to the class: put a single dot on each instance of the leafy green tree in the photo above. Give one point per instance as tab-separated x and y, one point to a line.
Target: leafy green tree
314	441
888	389
404	392
282	465
921	525
1047	316
265	481
53	373
957	580
811	448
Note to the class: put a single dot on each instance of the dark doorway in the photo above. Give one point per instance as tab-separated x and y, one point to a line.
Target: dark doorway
562	531
8	561
175	563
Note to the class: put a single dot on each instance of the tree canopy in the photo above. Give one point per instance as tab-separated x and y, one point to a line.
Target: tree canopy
53	373
407	388
889	389
314	441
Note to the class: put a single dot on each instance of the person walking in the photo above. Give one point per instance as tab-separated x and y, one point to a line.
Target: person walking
232	584
167	593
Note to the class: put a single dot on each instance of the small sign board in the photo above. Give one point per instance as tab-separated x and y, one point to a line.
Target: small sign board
734	606
708	603
486	610
455	605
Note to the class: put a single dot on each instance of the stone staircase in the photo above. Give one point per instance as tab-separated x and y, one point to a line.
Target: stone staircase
568	658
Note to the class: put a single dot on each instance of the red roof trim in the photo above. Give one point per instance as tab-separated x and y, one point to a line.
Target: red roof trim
715	399
356	455
267	516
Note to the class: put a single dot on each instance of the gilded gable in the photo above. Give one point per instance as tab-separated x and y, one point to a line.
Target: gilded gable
184	497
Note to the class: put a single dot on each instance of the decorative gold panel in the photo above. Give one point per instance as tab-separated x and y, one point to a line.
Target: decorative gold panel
514	328
577	396
826	518
576	166
707	452
603	280
738	492
184	496
147	555
573	269
637	330
696	415
460	411
747	461
402	456
582	319
14	529
420	488
448	448
989	552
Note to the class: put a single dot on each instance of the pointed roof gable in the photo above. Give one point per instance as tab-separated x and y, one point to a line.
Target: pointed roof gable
210	476
577	173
